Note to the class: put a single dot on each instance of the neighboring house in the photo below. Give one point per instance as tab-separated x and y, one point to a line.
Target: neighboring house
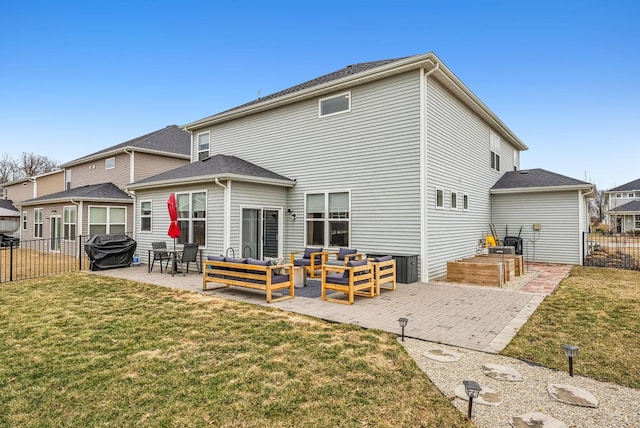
9	219
33	187
388	157
624	207
548	211
91	199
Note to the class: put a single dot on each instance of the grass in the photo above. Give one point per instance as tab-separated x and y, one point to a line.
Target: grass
597	309
25	263
89	350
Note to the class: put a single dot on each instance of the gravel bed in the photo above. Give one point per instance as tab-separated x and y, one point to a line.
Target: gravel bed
618	407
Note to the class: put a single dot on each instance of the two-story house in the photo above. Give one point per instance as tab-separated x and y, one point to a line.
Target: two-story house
90	198
388	157
624	207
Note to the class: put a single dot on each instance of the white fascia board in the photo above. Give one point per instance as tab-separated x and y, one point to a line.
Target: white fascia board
210	179
575	187
76	199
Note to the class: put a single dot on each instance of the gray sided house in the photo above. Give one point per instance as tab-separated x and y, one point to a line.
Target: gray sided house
388	157
60	217
549	211
624	207
90	198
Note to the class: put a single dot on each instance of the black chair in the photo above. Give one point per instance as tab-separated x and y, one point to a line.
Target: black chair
160	253
188	254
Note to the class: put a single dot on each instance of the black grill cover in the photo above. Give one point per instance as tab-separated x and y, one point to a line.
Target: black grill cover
110	251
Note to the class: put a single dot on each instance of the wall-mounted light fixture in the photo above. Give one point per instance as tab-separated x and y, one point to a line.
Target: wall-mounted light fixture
292	214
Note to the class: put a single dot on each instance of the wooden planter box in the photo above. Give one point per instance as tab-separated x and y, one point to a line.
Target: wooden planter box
517	260
509	264
481	273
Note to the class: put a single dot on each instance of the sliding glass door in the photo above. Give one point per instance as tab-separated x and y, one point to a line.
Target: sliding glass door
261	233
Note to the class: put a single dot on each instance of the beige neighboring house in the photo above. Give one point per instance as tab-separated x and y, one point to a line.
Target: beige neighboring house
91	198
624	207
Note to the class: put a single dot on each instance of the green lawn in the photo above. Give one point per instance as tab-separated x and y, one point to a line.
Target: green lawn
88	350
597	309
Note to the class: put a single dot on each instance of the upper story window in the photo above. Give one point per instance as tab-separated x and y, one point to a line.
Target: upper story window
454	200
495	146
335	104
67	179
439	198
465	202
145	216
203	146
110	163
618	195
631	195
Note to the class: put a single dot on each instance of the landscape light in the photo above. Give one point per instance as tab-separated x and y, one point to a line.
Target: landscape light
570	351
472	389
403	323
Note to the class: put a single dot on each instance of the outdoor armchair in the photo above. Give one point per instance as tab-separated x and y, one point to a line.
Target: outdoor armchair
312	260
188	255
343	256
160	253
355	279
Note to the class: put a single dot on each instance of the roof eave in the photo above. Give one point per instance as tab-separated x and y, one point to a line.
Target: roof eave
209	179
538	189
74	199
121	150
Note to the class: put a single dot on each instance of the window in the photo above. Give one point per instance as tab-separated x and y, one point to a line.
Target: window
107	220
439	198
24	220
327	219
192	217
465	202
454	201
145	216
38	215
110	163
67	179
631	195
203	146
69	223
618	195
336	104
637	221
494	142
515	160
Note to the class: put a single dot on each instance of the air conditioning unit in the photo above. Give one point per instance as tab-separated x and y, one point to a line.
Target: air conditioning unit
503	250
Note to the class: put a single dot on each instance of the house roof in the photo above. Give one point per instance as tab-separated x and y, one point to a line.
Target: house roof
537	180
7	209
168	141
633	206
358	74
632	185
103	192
214	167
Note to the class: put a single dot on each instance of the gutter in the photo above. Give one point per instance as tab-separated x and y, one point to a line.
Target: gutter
540	189
209	178
114	152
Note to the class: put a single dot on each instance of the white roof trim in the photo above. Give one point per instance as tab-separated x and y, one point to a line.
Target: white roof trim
74	198
539	189
210	179
122	150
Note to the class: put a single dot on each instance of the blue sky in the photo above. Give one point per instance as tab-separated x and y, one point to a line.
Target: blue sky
79	76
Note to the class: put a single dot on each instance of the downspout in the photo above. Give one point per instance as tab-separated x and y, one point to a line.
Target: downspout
78	215
226	240
132	177
35	187
587	226
424	249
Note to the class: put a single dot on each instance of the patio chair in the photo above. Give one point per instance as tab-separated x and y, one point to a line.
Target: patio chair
189	254
312	260
160	253
344	256
354	279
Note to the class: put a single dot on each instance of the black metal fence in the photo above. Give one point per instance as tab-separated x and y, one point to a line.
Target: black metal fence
618	250
36	258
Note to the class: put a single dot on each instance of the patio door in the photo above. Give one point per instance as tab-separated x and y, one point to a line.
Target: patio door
261	233
56	233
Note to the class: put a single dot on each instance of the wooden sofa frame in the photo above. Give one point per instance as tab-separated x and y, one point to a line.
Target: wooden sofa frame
360	282
248	276
384	273
313	267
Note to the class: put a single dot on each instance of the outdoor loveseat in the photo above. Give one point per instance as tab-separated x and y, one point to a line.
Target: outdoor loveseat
249	273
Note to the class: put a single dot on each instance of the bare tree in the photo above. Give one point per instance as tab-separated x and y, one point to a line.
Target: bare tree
32	164
598	205
9	169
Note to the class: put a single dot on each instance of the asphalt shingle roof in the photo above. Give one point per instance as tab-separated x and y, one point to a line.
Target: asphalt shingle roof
7	204
535	178
632	185
217	165
170	139
633	206
89	192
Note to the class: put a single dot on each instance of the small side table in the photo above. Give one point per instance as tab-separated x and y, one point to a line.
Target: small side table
299	277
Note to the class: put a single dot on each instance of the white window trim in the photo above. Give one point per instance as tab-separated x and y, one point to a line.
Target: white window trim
326	218
67	179
36	222
495	146
24	220
191	219
106	163
331	97
451	199
208	150
108	223
618	195
64	224
439	207
150	216
465	201
631	195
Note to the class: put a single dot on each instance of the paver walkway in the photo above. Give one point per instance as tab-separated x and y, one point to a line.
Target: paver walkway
472	317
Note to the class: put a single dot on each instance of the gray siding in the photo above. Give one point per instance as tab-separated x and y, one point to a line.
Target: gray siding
458	159
558	213
372	151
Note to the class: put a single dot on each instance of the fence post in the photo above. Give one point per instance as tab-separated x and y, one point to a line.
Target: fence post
80	252
11	260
